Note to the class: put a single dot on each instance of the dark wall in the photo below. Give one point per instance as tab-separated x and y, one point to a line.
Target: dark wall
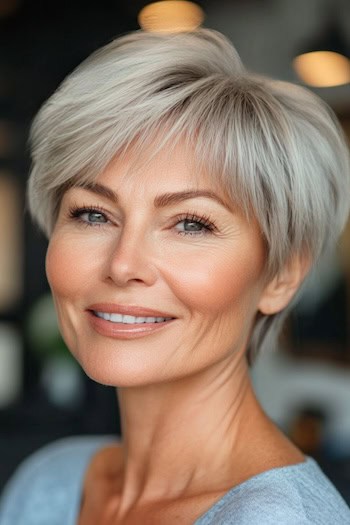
40	43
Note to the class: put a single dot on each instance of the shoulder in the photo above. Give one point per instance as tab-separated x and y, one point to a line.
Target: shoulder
285	496
48	483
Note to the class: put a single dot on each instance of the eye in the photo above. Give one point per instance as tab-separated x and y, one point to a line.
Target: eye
88	216
93	216
191	224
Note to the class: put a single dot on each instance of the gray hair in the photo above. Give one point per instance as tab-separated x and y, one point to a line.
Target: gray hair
276	148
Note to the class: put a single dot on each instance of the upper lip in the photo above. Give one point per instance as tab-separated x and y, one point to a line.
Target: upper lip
136	311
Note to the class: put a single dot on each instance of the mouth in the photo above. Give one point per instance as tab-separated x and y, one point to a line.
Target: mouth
127	322
129	319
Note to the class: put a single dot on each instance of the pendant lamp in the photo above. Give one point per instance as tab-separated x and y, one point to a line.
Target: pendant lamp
324	61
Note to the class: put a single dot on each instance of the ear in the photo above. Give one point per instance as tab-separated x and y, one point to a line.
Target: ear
280	290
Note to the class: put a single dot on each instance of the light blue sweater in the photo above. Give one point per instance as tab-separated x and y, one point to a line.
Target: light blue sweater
46	490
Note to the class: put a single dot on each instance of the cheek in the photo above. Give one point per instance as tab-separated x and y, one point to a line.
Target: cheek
215	283
66	267
58	268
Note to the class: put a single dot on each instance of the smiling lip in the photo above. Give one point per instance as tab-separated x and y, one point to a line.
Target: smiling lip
136	311
122	330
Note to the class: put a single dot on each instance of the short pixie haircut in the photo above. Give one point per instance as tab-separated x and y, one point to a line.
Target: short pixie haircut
275	148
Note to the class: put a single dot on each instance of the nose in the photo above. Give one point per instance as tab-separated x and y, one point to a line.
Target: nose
130	259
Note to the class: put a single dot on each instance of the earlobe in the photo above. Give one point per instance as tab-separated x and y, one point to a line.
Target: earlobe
280	290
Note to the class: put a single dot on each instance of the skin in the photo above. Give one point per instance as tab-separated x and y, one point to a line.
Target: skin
186	389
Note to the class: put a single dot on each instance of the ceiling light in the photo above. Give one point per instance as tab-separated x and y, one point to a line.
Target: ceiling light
324	62
169	16
323	68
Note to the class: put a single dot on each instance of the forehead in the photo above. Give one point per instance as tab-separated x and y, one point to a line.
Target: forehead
170	169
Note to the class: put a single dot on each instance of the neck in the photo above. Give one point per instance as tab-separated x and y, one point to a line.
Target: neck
179	437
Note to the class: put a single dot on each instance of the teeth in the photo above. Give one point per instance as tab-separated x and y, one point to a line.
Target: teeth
130	319
115	318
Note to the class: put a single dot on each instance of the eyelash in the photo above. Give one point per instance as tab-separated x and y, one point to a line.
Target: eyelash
75	213
203	220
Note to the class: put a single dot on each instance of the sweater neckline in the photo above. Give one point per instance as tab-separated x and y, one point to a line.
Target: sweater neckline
75	509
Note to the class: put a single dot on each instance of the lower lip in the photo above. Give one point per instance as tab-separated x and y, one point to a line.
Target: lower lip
123	330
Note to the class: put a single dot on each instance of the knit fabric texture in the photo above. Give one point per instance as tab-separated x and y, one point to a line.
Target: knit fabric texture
46	490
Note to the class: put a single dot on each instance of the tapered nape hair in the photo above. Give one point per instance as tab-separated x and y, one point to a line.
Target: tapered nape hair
275	148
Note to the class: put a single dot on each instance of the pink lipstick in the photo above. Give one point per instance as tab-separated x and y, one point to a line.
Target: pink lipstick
126	321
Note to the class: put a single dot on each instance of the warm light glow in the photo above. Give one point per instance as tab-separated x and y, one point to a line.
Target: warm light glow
170	16
10	242
323	68
8	7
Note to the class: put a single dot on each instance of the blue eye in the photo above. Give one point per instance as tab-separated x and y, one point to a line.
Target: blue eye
194	225
88	216
93	216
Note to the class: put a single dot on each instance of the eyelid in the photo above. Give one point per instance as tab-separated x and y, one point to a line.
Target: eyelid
208	226
75	212
202	218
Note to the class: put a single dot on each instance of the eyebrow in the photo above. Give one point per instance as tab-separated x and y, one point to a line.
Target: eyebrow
160	201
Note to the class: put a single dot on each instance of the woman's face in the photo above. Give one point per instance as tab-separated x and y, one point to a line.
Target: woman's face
160	243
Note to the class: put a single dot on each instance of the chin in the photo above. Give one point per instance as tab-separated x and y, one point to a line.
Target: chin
120	373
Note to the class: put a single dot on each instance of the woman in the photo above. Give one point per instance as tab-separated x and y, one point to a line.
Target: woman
185	200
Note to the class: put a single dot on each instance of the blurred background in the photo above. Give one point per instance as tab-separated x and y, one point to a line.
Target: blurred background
305	385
